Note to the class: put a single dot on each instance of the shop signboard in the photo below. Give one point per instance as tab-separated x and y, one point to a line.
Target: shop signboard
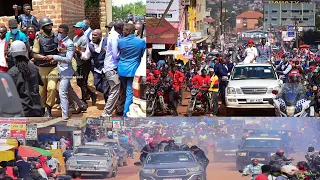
32	133
116	124
156	8
12	128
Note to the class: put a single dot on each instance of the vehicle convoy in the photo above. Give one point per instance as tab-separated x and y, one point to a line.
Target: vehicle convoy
93	160
257	147
292	101
226	150
172	165
250	86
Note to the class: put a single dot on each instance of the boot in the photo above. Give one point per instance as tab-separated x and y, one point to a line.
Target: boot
80	109
93	98
48	112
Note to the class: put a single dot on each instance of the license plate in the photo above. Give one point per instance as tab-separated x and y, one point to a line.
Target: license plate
230	154
260	159
254	100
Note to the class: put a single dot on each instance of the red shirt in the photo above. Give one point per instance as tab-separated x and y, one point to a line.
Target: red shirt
261	177
153	80
178	78
198	81
10	172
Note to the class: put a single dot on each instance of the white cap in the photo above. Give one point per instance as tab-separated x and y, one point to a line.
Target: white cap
18	48
211	70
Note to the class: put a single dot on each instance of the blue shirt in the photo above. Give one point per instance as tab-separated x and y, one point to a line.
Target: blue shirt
24	169
25	20
131	51
19	36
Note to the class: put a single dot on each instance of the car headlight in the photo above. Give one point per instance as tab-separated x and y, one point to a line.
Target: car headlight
231	90
71	162
242	154
103	163
269	91
272	154
290	110
195	169
218	150
193	92
148	171
152	90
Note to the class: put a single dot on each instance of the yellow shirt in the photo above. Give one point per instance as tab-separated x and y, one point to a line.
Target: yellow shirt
214	79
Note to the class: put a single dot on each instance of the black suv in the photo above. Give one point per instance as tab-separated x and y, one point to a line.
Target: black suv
257	147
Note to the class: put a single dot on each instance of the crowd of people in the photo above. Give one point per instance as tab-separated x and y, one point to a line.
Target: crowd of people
38	57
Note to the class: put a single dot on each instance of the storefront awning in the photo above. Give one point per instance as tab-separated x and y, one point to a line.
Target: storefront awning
170	52
164	34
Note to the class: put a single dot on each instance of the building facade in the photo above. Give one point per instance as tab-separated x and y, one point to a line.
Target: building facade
285	14
247	20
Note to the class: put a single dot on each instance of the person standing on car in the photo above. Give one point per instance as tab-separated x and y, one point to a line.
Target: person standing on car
27	80
83	67
131	51
199	153
264	52
171	146
250	53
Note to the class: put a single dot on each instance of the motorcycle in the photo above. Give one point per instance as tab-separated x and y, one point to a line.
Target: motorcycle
197	102
151	99
292	103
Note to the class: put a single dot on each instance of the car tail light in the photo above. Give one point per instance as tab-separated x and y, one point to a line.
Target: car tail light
136	86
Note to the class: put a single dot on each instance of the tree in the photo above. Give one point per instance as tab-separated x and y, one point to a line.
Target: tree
91	3
318	22
121	12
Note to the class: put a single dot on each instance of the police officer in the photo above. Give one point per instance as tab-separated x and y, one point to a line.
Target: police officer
46	43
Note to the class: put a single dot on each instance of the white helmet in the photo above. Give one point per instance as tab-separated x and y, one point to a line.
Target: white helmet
18	48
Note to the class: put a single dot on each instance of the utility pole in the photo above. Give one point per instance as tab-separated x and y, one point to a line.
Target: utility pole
296	30
220	23
165	13
224	25
186	14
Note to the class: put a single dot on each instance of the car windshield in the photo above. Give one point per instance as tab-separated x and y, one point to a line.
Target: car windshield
262	143
169	158
229	144
91	152
253	72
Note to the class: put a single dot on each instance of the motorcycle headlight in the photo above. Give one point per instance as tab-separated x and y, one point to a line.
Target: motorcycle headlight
290	110
315	88
242	154
272	154
231	90
148	171
195	169
152	91
193	92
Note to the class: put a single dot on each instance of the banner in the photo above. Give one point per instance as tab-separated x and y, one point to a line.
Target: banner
156	8
32	133
13	128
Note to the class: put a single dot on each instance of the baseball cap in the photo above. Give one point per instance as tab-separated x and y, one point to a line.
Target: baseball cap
18	48
80	25
156	72
13	23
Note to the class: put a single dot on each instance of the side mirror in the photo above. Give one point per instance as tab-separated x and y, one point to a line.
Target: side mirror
275	92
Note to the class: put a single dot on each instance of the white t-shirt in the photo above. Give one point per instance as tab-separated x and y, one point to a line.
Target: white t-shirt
250	54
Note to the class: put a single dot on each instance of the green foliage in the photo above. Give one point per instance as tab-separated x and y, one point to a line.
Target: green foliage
318	22
121	12
91	3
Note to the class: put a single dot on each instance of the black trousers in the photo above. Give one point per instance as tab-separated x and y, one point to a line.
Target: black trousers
82	79
172	96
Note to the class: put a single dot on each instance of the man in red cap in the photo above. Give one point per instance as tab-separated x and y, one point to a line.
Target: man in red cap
250	52
153	79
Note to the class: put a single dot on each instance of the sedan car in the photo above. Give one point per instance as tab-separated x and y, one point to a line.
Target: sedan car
179	165
93	160
226	150
122	155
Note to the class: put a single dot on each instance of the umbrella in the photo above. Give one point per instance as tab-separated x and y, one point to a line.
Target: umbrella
26	151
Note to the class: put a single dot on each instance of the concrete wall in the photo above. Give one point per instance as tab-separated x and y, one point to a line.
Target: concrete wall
250	24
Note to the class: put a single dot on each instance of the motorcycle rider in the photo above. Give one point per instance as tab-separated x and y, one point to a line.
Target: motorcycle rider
284	68
178	80
315	79
310	154
204	161
166	82
171	146
149	148
278	158
254	168
153	79
287	172
214	89
202	82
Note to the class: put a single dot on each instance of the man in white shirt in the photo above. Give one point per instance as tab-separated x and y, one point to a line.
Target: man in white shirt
88	30
250	53
53	163
3	50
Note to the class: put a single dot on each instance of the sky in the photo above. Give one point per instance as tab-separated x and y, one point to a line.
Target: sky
123	2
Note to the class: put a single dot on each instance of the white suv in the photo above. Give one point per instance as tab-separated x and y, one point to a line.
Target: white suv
250	86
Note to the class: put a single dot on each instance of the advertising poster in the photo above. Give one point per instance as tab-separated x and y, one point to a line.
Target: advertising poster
185	37
31	132
116	124
187	51
13	128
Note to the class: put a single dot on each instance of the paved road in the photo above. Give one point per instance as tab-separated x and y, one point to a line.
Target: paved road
182	110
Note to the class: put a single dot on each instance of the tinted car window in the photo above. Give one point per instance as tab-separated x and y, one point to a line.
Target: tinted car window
253	72
169	158
262	143
91	152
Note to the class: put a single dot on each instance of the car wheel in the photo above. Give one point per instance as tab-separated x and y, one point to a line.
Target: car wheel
114	173
120	164
239	166
229	112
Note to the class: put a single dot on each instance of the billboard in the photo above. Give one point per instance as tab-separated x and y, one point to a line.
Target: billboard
156	8
287	36
13	128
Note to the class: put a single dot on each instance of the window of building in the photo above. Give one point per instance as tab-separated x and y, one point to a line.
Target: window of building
284	11
305	11
265	19
274	19
283	19
6	6
266	12
274	11
244	25
244	19
295	11
305	19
